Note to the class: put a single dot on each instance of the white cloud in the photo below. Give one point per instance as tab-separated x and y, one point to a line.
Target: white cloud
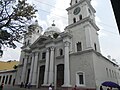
11	54
94	3
59	14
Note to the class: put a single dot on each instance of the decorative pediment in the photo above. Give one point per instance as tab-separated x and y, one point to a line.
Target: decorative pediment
40	41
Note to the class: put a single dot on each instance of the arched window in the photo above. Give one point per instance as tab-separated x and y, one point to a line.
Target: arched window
74	20
80	17
75	1
95	46
89	11
61	52
38	31
79	46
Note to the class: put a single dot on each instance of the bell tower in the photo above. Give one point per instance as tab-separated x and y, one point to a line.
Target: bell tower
81	24
80	9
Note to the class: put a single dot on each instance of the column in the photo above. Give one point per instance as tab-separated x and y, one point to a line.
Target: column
31	69
55	78
66	65
34	76
24	69
46	68
51	65
88	37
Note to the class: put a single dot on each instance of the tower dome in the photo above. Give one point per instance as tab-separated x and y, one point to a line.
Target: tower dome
51	30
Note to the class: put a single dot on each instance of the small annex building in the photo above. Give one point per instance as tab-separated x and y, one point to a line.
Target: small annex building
8	72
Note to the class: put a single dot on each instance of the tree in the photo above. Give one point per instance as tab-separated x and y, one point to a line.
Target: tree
13	21
15	66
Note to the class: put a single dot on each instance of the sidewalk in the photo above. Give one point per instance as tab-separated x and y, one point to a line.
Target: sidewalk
8	87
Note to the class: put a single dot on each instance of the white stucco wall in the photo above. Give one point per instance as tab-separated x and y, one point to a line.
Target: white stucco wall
82	62
101	74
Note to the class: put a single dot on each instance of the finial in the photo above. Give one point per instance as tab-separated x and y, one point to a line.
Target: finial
53	23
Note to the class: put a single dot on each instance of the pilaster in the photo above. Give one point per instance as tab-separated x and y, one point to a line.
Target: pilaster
46	68
51	65
24	69
31	68
88	37
34	77
66	64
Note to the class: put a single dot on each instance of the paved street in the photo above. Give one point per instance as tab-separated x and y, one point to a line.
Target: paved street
16	88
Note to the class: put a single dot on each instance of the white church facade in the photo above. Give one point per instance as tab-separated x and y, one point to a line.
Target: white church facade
68	58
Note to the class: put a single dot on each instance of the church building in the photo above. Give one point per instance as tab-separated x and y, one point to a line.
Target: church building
68	58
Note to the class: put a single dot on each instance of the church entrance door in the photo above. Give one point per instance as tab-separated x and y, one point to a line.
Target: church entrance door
41	75
60	75
28	74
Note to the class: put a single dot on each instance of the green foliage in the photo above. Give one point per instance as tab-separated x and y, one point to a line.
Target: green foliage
13	20
4	35
15	66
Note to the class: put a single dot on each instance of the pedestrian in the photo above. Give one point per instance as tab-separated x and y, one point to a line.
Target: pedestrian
101	88
1	86
50	87
29	85
21	85
75	87
108	88
26	85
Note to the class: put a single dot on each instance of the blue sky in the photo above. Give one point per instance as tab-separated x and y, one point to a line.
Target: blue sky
49	10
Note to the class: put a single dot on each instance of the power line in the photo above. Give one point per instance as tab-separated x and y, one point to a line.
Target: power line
66	17
107	25
53	14
110	32
49	5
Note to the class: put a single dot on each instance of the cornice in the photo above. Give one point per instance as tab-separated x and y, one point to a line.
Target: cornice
87	19
93	51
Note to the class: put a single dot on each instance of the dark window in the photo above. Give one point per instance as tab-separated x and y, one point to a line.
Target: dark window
75	1
107	72
0	78
81	80
89	11
95	46
38	31
3	79
23	61
6	79
61	52
10	78
80	17
28	42
110	72
43	55
74	20
79	46
25	43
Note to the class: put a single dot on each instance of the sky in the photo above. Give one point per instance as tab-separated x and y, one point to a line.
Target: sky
49	10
